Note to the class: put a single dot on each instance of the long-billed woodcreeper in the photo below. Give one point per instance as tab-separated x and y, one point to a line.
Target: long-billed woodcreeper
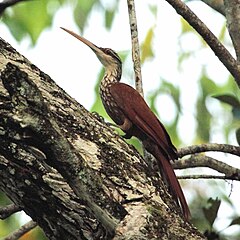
130	112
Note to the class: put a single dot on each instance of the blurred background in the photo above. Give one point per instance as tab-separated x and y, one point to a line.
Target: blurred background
184	83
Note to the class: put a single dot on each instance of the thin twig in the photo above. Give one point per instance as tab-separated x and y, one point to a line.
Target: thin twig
208	177
9	210
226	148
135	46
221	52
198	160
21	231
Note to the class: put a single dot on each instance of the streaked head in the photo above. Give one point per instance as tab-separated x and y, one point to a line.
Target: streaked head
107	56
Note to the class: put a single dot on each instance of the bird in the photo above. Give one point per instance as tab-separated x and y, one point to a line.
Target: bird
130	112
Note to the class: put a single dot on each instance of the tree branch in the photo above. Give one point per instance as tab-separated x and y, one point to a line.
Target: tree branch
7	211
196	177
232	10
226	148
135	46
21	231
198	160
220	51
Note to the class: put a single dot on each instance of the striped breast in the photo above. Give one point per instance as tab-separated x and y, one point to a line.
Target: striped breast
108	101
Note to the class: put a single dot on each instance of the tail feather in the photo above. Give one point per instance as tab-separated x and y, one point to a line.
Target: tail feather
174	185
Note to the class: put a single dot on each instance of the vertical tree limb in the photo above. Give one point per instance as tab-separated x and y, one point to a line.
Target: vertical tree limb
232	10
135	46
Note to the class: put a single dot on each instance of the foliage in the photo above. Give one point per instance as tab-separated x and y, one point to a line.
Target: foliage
31	18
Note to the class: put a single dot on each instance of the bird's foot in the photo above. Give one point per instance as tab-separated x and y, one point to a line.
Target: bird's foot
102	120
98	117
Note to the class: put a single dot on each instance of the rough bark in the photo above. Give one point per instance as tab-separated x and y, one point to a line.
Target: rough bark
69	171
232	10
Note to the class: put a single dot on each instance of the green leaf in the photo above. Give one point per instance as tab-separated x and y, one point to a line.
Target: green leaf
174	92
136	143
183	55
222	33
203	115
109	16
172	130
208	86
146	47
185	26
154	10
211	212
203	120
28	18
82	11
152	99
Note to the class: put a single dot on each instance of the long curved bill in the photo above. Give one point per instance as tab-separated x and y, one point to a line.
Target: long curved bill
82	39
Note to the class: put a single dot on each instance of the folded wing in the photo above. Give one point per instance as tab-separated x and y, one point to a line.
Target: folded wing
135	108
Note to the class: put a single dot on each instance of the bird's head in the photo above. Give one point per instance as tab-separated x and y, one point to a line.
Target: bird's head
107	56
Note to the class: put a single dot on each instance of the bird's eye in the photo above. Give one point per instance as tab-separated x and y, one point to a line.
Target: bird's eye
108	50
111	53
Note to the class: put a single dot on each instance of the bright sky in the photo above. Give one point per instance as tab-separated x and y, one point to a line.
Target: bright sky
75	68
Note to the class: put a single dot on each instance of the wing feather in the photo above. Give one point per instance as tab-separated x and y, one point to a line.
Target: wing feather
137	111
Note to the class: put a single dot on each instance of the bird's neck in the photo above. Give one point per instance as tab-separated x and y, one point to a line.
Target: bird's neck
111	76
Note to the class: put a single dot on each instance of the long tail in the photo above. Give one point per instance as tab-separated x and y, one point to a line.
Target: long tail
174	185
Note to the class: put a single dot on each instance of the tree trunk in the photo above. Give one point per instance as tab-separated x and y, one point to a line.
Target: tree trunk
69	171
